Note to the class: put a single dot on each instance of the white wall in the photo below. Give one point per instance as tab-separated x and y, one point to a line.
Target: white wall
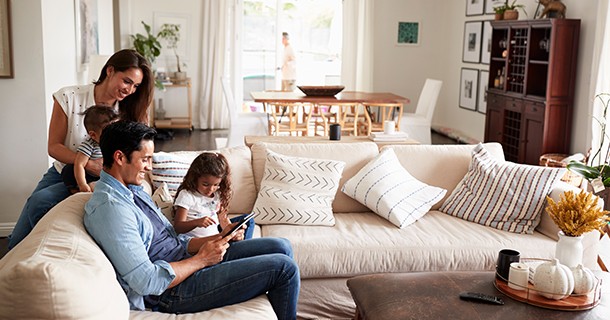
403	69
44	61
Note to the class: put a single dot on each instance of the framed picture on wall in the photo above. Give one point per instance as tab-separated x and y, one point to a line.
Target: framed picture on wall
491	4
408	33
486	42
472	41
6	46
474	7
482	96
86	32
469	83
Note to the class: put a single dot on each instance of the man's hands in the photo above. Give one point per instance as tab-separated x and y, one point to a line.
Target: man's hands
94	167
212	252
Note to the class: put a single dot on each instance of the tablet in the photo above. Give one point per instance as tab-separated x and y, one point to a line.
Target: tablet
240	223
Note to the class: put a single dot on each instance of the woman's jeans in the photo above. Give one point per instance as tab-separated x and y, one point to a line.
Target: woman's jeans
250	268
49	192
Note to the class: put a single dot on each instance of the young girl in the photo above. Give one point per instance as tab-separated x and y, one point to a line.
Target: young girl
202	200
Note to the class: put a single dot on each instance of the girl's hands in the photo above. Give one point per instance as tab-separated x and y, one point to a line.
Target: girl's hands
237	235
205	222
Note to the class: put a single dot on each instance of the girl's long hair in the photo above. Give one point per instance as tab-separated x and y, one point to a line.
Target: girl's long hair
212	164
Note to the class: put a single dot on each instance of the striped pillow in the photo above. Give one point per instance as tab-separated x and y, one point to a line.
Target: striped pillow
385	187
502	195
169	168
298	191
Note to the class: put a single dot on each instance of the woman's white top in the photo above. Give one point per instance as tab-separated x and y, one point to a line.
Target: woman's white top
74	100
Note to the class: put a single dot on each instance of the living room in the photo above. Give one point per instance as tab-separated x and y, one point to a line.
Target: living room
41	26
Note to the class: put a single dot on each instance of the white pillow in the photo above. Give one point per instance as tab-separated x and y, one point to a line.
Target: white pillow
297	190
385	187
501	194
164	200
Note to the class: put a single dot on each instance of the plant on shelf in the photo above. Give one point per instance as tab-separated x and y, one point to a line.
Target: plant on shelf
577	214
148	46
171	34
509	11
597	171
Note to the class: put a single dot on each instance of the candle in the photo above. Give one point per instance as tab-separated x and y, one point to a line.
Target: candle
518	276
388	127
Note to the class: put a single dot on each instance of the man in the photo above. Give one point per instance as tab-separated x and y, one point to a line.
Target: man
176	273
289	70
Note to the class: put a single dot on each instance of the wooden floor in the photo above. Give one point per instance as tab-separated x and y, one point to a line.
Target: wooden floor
185	140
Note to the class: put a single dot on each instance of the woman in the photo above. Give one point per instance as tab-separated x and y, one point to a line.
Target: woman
126	84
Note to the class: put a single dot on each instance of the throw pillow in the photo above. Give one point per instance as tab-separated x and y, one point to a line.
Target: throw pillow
170	169
297	190
502	195
164	200
385	187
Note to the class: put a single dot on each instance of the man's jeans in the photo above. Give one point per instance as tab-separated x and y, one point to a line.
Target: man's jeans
249	268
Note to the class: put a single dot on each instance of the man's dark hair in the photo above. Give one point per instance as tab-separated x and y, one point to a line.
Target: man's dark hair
125	136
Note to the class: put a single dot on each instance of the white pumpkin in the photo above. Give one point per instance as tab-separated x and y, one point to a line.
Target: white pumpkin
553	280
584	280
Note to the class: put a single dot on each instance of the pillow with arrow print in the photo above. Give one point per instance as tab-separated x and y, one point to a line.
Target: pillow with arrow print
297	191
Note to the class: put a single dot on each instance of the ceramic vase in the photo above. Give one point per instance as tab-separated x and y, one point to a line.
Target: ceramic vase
569	250
511	15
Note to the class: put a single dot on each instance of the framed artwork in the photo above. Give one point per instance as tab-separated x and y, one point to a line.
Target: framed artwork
86	32
469	83
472	41
6	45
408	34
491	4
183	21
474	7
486	42
482	96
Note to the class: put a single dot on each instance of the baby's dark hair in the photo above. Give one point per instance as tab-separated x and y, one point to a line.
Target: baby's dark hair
211	164
98	117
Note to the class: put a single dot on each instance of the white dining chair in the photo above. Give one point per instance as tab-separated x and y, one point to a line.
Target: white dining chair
417	124
240	124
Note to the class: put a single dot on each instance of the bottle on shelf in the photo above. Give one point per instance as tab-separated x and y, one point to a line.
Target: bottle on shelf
497	80
502	77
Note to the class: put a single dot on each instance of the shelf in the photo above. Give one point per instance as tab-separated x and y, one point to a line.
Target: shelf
541	62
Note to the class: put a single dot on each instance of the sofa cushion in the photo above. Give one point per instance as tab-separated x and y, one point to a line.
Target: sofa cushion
385	187
355	156
442	166
171	168
364	243
164	200
297	190
502	195
58	271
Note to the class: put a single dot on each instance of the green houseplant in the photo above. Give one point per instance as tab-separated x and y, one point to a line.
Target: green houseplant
171	34
148	46
509	11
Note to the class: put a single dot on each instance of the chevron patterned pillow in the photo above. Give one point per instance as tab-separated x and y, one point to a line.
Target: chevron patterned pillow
297	190
384	186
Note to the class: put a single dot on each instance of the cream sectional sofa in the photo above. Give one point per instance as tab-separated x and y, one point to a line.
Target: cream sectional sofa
59	272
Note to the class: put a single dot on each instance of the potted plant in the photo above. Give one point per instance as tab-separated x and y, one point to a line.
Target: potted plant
499	12
597	170
575	215
510	10
148	46
171	34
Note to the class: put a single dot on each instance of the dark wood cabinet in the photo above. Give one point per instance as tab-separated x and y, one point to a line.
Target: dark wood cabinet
532	75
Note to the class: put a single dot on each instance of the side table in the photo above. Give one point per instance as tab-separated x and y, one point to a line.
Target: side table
435	295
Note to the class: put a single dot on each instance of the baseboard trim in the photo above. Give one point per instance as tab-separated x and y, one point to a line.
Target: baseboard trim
6	229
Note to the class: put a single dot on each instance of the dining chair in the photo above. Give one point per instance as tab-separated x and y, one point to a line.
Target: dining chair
375	122
289	118
347	114
417	125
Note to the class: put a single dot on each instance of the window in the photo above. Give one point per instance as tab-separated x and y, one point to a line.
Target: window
315	30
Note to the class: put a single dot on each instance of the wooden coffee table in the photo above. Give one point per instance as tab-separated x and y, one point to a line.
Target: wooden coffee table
435	295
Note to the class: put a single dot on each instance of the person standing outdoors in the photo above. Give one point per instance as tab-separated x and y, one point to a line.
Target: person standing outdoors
289	70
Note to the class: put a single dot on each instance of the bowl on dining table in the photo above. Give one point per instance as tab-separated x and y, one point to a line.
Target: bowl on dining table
321	91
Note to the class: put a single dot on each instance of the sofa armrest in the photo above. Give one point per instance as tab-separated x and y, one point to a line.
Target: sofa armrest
549	228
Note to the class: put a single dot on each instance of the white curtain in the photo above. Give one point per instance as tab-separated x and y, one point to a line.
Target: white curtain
601	64
216	17
357	57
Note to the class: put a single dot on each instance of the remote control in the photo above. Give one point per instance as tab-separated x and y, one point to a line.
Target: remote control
481	297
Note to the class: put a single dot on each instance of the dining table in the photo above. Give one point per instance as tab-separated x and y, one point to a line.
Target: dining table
382	99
